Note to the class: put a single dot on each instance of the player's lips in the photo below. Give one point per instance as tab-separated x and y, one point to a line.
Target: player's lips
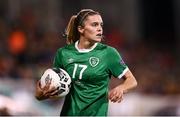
99	35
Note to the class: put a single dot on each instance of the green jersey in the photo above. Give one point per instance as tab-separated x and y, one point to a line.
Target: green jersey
90	70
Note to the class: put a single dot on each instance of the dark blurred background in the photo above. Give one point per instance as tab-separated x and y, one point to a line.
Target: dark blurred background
145	32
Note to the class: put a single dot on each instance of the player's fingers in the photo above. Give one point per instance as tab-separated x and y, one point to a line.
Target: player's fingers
50	90
120	99
113	95
48	93
38	85
113	98
54	92
117	98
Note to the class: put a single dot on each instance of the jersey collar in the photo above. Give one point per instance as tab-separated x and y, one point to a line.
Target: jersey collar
84	50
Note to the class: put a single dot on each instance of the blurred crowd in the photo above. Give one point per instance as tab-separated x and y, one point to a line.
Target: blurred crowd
27	49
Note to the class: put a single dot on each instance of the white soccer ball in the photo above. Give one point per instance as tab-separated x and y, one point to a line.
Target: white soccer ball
60	80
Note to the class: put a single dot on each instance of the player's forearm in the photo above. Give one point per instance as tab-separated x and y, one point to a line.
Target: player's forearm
129	82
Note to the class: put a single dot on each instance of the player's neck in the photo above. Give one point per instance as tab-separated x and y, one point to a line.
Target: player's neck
83	44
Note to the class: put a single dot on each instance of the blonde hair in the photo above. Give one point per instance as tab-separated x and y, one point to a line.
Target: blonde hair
72	33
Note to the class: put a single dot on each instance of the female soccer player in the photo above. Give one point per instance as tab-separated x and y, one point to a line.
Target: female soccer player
90	65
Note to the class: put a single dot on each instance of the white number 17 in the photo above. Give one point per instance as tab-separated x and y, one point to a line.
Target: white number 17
83	67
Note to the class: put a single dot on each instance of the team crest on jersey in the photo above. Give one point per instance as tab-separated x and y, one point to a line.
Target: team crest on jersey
93	61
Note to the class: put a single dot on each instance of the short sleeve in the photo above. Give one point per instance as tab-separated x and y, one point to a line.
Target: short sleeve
57	63
116	65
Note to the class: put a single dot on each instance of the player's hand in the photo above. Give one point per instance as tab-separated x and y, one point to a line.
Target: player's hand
45	92
116	94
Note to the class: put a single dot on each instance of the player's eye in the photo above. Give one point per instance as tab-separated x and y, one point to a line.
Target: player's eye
95	24
101	24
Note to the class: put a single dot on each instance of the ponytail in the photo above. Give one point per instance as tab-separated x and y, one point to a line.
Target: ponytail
71	30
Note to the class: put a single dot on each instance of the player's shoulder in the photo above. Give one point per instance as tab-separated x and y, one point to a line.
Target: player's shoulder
107	47
66	48
103	46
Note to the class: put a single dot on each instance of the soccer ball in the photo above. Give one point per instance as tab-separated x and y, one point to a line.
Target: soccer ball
60	79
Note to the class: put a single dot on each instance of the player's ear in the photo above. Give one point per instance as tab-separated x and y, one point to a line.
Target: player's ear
81	29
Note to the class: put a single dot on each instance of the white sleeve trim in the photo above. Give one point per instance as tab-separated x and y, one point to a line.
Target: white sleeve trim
125	70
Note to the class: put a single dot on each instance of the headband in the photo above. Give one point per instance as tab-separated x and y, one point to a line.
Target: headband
85	15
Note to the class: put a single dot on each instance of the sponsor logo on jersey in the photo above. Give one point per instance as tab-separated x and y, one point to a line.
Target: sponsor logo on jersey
93	61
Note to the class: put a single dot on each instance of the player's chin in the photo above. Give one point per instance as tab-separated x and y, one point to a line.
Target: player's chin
98	39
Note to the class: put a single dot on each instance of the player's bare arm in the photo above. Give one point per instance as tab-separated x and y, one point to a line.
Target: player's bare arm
116	94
